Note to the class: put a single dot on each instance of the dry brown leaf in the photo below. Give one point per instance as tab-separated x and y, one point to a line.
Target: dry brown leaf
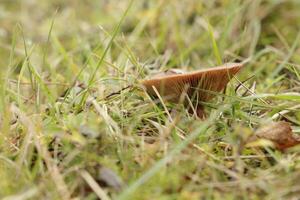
280	133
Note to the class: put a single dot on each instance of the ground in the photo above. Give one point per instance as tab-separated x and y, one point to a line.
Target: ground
76	123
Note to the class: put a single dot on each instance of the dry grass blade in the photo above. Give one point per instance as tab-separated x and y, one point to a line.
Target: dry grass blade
23	196
94	185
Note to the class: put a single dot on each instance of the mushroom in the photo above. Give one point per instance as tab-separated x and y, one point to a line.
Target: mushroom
199	86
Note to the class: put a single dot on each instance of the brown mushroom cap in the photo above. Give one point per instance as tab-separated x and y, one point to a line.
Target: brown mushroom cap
197	84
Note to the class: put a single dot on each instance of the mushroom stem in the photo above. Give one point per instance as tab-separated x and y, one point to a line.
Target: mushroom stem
199	111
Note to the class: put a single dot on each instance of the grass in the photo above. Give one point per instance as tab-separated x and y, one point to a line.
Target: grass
69	130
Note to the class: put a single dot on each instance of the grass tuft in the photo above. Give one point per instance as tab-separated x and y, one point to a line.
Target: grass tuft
75	122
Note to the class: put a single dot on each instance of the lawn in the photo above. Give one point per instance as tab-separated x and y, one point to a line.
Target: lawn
76	122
